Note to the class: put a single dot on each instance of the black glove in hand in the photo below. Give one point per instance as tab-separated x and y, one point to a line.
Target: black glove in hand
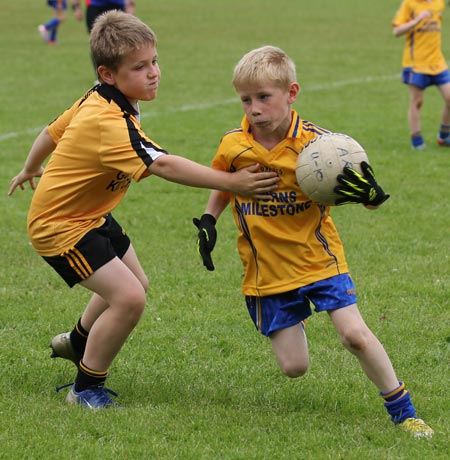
357	188
207	236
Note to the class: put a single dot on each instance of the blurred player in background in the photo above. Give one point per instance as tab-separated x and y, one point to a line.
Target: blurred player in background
49	30
95	8
289	246
423	62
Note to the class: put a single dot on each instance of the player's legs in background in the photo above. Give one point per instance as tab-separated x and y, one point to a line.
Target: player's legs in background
415	105
60	15
49	30
444	131
291	350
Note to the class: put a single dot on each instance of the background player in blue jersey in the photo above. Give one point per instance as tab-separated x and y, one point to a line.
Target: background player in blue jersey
49	30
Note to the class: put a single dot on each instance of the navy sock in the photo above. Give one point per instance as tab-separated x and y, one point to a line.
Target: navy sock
88	377
78	338
444	131
417	139
52	24
52	27
398	404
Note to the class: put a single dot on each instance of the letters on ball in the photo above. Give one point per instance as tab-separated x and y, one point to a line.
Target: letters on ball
322	160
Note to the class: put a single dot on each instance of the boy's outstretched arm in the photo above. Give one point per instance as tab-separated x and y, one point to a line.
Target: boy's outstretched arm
245	182
40	150
207	234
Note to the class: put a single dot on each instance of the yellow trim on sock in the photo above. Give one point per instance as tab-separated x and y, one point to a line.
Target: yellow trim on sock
394	392
91	372
79	332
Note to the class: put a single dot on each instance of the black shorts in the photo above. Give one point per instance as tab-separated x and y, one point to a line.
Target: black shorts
93	12
95	249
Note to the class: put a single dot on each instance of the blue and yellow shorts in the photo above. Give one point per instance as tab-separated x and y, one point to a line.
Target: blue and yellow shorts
280	311
422	80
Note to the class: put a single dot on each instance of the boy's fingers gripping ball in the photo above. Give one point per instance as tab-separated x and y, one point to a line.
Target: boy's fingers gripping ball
360	188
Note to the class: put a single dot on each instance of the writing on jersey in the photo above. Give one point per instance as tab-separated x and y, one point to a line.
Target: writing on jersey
279	203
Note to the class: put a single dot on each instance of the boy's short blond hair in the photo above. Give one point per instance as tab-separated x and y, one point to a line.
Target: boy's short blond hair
263	65
115	34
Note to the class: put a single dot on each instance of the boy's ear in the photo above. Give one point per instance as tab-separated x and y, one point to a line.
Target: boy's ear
106	74
294	90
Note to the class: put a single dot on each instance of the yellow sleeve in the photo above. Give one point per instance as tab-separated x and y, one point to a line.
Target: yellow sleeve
403	14
57	127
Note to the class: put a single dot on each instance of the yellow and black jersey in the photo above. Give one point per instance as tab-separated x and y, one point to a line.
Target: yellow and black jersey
422	51
286	241
100	149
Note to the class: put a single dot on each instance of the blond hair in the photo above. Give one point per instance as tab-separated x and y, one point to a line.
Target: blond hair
115	34
263	65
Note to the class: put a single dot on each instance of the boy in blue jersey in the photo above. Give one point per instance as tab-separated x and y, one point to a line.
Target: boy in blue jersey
49	30
423	62
293	260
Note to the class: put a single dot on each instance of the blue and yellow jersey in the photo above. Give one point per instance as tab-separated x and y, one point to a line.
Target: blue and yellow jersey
422	51
100	149
285	241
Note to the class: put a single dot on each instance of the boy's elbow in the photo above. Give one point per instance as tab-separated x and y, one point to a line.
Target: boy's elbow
159	166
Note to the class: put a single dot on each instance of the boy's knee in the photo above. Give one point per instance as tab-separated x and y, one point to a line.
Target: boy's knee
418	104
135	306
356	339
294	369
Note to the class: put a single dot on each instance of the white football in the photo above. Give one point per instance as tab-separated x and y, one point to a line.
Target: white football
322	160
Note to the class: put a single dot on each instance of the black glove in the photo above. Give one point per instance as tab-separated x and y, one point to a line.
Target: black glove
357	188
207	236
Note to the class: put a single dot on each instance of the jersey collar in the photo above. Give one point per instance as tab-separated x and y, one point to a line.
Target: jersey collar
110	93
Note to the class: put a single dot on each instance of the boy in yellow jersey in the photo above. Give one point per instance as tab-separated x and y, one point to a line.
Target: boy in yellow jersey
289	246
97	148
423	63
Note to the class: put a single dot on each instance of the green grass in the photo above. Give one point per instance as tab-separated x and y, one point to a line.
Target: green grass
195	379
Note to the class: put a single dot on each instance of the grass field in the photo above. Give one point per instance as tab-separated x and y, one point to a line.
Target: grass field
195	379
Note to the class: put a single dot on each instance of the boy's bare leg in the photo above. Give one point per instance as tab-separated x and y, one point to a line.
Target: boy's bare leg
97	305
445	91
360	340
415	104
125	296
291	350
